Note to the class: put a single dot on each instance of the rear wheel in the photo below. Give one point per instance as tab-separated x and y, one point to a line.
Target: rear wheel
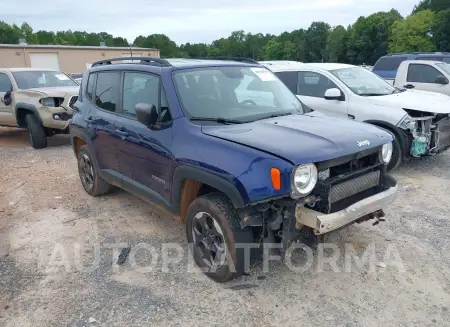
90	179
36	132
216	238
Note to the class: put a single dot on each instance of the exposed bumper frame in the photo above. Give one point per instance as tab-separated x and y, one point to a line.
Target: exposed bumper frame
325	223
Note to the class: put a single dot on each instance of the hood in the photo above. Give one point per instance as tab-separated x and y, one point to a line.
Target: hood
56	91
416	100
304	138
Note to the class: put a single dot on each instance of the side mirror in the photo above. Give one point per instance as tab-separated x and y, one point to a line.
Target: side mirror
441	80
7	98
333	94
146	114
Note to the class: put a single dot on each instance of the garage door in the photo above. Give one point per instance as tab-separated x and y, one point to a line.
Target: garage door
44	60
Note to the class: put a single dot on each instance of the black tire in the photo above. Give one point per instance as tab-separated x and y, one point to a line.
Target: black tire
97	186
219	208
36	132
397	155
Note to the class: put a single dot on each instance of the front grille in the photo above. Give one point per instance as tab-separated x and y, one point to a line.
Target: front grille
72	101
354	186
352	179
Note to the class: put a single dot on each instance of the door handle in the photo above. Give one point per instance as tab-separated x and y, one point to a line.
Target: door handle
408	86
120	132
89	120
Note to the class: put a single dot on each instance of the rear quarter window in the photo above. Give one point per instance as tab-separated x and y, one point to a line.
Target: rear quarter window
388	63
290	79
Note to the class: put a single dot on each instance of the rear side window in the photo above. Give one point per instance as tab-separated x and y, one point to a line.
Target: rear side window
388	63
313	84
91	86
5	83
290	79
107	90
419	73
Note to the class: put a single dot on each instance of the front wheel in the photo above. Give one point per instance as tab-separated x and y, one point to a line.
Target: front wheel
217	242
36	132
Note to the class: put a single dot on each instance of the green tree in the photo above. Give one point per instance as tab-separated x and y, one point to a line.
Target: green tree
336	44
413	33
316	38
27	33
9	34
368	37
45	37
433	5
162	42
279	50
441	30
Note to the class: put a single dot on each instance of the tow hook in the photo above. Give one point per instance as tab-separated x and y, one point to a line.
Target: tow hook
379	216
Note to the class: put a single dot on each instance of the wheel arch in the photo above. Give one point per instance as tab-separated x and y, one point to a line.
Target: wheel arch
190	182
22	109
397	133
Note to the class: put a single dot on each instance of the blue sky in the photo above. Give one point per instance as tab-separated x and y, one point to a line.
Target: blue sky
188	20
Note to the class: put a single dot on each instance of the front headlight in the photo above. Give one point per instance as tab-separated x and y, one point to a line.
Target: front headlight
48	102
386	153
304	179
407	123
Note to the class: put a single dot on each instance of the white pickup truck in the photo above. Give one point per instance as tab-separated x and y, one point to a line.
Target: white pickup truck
419	121
424	75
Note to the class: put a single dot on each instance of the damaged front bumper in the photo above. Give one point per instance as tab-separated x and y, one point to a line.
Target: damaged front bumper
362	210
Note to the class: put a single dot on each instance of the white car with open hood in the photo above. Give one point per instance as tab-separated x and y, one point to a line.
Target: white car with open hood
419	120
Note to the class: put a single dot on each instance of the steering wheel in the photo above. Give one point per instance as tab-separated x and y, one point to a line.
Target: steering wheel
248	102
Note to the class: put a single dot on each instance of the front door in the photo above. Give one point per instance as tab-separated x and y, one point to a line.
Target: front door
311	91
144	153
7	117
423	77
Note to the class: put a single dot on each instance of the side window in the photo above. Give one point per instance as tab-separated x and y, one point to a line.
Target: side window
5	83
420	73
447	60
107	90
313	84
139	88
90	86
290	79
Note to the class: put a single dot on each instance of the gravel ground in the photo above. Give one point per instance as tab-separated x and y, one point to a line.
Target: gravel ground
50	274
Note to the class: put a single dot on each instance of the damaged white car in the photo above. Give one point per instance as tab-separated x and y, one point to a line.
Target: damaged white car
419	120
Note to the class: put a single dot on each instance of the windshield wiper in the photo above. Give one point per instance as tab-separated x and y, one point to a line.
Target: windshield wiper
217	120
372	94
274	115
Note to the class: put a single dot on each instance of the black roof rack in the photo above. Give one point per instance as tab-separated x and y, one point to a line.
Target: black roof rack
142	60
240	59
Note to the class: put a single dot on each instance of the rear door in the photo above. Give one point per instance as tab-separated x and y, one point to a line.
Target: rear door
6	105
311	90
103	94
423	77
144	153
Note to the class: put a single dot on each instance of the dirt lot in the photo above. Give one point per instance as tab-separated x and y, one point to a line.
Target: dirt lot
50	228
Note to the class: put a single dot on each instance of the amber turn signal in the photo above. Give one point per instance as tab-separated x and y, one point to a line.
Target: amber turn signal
275	175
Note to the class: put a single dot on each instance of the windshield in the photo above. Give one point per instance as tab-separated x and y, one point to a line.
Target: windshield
363	82
238	93
444	67
39	79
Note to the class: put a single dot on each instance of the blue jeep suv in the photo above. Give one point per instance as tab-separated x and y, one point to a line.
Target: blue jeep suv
225	147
